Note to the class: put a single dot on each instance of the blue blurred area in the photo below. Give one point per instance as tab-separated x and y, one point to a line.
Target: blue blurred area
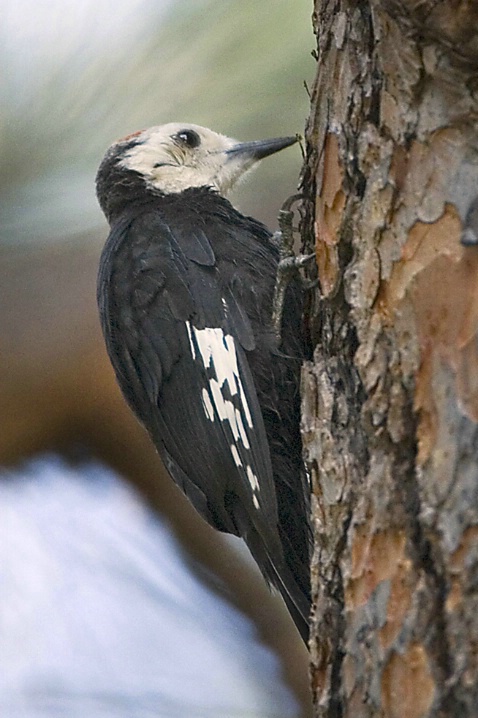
101	616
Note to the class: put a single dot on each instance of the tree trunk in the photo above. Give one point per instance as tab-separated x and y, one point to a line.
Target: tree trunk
390	400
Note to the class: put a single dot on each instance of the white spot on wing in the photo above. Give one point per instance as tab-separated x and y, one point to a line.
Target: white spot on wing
252	479
208	407
191	342
235	455
242	430
229	343
254	486
217	351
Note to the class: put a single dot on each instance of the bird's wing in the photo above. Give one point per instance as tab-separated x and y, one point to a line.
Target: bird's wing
177	341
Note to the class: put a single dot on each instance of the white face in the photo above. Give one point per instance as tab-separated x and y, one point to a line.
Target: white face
177	156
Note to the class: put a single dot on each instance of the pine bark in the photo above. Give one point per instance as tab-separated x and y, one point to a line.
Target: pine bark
390	399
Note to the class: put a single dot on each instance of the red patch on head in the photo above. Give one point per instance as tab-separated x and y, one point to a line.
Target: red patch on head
129	137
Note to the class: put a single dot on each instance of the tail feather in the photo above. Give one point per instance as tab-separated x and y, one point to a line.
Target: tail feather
296	600
291	579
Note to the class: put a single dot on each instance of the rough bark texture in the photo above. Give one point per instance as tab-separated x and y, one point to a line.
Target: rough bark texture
390	406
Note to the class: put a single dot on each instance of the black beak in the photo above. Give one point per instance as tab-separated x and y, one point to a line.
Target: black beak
258	149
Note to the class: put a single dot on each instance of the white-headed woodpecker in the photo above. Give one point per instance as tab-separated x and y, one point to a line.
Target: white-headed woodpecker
185	292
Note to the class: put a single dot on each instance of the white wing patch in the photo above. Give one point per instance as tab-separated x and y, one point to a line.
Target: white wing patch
217	351
191	342
235	455
254	486
208	407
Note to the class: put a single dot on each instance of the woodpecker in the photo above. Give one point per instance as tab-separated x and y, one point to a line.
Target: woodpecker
185	292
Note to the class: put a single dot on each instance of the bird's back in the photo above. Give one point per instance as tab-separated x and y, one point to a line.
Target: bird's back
223	268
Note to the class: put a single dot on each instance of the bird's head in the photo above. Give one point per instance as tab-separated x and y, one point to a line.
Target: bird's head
175	157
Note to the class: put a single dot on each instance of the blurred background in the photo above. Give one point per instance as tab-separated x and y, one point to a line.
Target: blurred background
77	75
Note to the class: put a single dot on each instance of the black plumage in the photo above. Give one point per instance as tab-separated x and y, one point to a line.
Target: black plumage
185	297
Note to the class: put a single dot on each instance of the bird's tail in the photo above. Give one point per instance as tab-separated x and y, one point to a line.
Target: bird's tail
295	597
292	582
281	566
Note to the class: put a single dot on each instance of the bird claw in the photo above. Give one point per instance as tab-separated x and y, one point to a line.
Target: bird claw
292	263
289	263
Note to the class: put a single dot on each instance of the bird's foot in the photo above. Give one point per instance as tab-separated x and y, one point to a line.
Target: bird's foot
290	263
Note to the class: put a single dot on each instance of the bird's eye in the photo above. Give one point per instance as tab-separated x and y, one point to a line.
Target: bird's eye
189	138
